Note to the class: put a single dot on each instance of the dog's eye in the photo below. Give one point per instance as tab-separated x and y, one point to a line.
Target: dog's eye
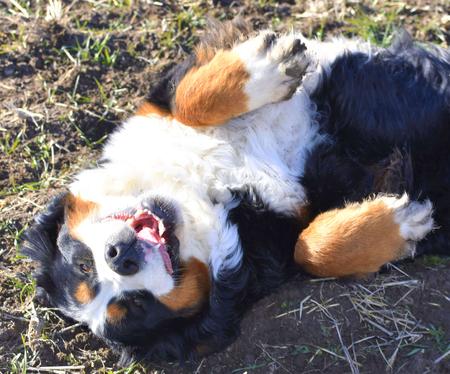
85	268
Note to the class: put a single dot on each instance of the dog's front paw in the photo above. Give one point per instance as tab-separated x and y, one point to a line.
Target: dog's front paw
276	66
415	220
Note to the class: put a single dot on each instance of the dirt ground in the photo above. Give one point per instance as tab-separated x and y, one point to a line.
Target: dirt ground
72	70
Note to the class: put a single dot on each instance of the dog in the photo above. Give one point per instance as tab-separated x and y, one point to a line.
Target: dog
257	157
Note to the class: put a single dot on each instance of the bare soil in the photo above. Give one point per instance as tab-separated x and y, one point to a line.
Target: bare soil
67	82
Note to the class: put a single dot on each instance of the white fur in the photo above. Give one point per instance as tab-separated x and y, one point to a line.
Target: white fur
94	313
414	219
268	82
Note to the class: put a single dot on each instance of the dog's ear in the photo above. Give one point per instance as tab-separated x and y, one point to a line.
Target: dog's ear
53	217
40	239
39	244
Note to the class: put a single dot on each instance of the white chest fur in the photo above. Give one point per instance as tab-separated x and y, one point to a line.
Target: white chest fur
265	149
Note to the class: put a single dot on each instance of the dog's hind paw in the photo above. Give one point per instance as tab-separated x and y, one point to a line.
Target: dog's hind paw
415	220
276	66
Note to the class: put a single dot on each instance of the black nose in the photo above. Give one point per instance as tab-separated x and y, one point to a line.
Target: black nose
123	258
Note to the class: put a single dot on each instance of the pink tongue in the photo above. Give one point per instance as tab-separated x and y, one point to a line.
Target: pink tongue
152	237
166	258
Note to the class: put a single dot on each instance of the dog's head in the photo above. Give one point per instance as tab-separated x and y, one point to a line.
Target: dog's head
118	267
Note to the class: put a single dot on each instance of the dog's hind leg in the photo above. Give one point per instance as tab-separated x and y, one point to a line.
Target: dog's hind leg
262	70
226	80
361	237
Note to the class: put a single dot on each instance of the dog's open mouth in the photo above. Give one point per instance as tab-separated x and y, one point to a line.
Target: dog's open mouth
151	232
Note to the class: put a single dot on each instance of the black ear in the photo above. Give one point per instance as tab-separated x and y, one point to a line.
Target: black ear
39	243
53	217
40	239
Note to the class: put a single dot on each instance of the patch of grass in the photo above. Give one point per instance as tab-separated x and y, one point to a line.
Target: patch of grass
10	229
91	50
179	31
266	3
40	153
109	98
377	28
301	349
439	336
90	143
19	362
9	142
20	7
120	3
17	40
415	350
26	288
434	261
27	186
131	369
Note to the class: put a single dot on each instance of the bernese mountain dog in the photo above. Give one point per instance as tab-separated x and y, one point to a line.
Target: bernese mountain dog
259	156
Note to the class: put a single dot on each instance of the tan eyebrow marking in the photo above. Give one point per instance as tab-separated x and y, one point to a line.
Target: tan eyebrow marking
84	294
77	209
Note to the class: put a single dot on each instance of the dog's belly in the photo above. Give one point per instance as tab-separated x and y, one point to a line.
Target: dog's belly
266	151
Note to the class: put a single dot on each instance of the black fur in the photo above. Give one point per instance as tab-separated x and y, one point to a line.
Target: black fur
162	92
39	244
372	109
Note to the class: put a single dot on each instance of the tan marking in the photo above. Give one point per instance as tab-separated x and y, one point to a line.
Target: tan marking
355	240
84	294
148	108
77	210
192	290
115	313
213	93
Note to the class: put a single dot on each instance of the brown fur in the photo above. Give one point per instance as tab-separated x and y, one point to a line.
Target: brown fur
77	210
84	294
213	93
191	291
355	240
115	313
148	108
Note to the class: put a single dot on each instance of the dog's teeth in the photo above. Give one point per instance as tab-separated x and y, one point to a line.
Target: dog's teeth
161	227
